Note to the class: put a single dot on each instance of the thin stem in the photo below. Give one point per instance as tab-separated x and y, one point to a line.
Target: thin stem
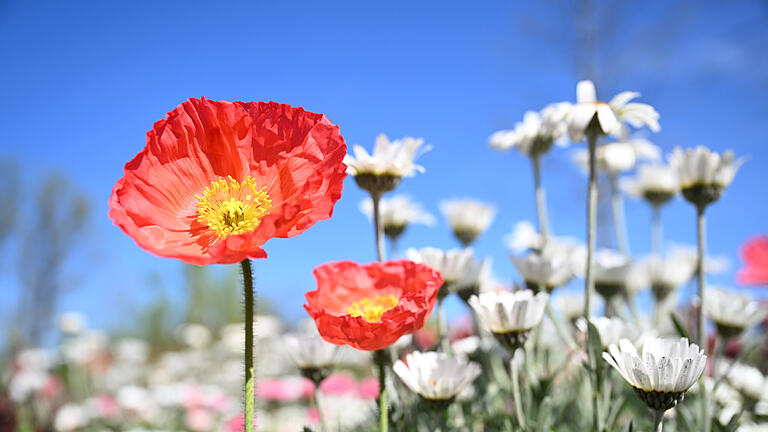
658	419
657	230
377	227
564	335
319	407
593	132
442	341
381	361
619	219
248	292
541	199
516	394
702	333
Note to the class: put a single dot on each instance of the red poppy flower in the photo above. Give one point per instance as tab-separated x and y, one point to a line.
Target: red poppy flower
369	307
217	179
755	256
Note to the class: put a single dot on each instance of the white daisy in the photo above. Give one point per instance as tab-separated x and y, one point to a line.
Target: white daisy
396	213
458	267
611	330
510	316
617	157
571	306
713	264
548	269
313	356
732	313
656	183
611	116
704	174
70	417
666	275
381	171
536	133
436	376
612	272
467	218
746	379
664	371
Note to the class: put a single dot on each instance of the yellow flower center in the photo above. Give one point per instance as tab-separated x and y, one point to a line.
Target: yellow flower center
371	309
229	207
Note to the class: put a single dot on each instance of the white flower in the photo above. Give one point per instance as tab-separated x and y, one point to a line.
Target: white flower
665	275
702	167
70	417
611	330
196	335
453	265
505	311
571	306
612	271
345	412
395	158
731	311
71	322
467	218
616	157
523	237
746	379
132	350
310	351
436	376
611	116
664	371
655	183
536	133
549	269
84	347
714	265
398	212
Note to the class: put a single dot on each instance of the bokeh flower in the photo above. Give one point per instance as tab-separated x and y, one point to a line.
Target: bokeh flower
617	157
397	213
704	174
436	376
662	372
218	179
655	183
537	132
457	267
369	307
754	253
313	356
732	313
546	270
467	218
390	161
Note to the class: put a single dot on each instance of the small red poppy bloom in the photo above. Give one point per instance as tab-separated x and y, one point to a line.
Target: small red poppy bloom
217	179
369	307
754	253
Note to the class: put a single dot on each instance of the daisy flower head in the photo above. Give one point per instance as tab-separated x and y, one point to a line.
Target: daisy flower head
655	183
217	179
704	174
397	213
390	161
370	306
612	271
611	330
733	313
548	269
617	157
457	267
666	275
510	316
313	356
537	132
609	118
467	218
662	372
435	376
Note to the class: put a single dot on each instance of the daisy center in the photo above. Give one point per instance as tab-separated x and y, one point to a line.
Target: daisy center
372	308
229	207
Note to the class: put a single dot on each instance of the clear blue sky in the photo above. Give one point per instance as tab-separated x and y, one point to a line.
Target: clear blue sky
81	83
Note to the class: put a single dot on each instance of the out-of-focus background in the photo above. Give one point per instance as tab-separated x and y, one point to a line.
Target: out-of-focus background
81	83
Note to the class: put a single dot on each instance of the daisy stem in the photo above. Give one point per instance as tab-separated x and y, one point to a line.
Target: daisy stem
377	227
593	132
248	291
564	335
619	219
514	366
657	230
658	419
541	198
381	361
441	339
702	333
319	408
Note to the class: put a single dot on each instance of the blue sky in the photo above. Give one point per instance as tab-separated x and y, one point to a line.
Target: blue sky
82	82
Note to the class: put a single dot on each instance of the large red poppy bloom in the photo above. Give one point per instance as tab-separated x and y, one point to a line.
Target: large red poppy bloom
754	253
218	179
369	307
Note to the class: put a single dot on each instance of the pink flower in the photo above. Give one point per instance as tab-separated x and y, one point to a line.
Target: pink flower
754	253
369	388
284	390
199	419
338	384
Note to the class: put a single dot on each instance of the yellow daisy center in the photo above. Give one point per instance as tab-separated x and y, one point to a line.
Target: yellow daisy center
371	309
229	207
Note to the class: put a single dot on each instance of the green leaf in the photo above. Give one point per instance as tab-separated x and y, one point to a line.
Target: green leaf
679	326
595	348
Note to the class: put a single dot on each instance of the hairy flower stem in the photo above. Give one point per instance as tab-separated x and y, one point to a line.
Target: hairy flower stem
514	367
248	292
376	198
593	132
702	333
658	420
541	199
381	361
619	219
657	230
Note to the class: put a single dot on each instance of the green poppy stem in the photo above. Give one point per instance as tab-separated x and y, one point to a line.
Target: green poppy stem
249	394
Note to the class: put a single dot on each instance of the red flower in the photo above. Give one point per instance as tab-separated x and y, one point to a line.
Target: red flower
218	179
369	307
755	256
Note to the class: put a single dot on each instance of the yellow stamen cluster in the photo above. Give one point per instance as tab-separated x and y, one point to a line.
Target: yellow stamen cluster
371	309
229	207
